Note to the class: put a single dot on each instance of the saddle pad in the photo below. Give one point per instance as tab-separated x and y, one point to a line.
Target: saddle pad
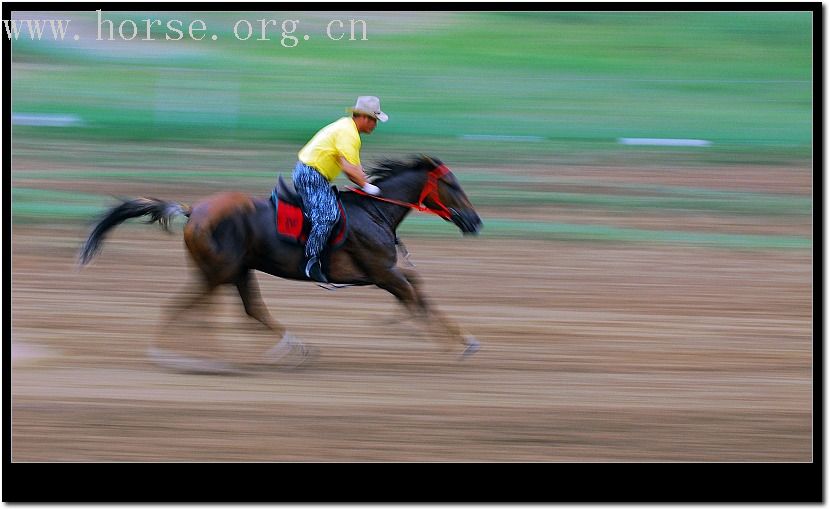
292	224
289	220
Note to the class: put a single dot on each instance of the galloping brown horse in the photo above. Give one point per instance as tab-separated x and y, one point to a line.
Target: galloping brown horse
229	235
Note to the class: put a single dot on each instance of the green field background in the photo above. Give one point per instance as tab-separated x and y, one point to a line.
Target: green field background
479	90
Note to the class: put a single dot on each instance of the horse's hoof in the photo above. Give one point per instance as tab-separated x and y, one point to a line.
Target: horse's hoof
304	356
473	346
282	349
289	353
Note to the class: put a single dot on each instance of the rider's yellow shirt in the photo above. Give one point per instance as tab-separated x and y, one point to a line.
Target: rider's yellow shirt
340	138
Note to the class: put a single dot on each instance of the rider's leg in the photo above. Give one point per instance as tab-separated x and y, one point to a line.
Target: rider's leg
321	204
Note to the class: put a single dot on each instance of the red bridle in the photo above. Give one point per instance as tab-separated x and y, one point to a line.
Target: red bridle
430	191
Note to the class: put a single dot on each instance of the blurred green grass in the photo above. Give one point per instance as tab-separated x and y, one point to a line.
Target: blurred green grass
570	83
737	78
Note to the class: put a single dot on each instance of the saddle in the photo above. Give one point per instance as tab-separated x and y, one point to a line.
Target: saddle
294	224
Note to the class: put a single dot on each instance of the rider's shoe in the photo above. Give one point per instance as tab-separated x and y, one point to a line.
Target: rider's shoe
314	271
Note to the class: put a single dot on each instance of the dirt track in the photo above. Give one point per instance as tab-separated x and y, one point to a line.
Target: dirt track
590	352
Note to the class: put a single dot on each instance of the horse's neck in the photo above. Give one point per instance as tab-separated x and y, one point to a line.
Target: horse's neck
403	188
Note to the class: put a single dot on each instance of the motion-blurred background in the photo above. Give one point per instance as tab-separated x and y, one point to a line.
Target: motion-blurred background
486	92
642	286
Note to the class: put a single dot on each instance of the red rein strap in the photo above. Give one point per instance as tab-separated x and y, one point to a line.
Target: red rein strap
430	190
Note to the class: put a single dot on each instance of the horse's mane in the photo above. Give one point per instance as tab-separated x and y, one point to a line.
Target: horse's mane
390	167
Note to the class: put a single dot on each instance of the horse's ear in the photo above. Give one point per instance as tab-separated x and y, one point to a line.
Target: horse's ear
429	160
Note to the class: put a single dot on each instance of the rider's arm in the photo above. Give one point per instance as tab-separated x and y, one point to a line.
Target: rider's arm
355	173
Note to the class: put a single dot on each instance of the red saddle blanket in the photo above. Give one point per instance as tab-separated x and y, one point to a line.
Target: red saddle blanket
291	223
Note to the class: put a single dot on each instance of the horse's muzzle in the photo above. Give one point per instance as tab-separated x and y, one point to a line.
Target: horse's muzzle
468	221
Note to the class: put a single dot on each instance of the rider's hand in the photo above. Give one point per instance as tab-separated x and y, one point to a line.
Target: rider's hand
371	189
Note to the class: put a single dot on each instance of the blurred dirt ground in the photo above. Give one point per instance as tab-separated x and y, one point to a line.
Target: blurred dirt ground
590	352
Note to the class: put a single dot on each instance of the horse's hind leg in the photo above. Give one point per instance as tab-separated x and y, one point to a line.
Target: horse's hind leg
248	289
254	306
213	269
169	351
197	294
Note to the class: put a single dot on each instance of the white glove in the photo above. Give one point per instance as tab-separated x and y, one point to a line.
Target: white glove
371	189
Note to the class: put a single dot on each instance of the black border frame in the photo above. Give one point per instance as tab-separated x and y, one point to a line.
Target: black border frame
422	482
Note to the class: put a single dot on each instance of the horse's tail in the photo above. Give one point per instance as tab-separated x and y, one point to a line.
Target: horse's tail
158	210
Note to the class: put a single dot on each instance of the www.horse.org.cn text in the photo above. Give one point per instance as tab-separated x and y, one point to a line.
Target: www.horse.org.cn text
286	32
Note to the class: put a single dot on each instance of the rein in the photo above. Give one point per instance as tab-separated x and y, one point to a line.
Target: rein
430	190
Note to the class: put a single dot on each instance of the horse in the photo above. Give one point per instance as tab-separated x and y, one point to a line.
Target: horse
231	234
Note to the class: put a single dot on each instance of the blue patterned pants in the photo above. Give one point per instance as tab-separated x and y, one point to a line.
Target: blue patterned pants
320	204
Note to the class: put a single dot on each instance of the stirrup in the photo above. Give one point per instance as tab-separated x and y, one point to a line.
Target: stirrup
334	286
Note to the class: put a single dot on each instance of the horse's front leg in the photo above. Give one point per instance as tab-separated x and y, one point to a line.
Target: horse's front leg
404	284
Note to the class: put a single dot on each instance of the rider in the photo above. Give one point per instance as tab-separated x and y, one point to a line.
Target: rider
333	149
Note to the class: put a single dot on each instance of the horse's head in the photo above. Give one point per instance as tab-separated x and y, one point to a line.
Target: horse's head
426	184
442	194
